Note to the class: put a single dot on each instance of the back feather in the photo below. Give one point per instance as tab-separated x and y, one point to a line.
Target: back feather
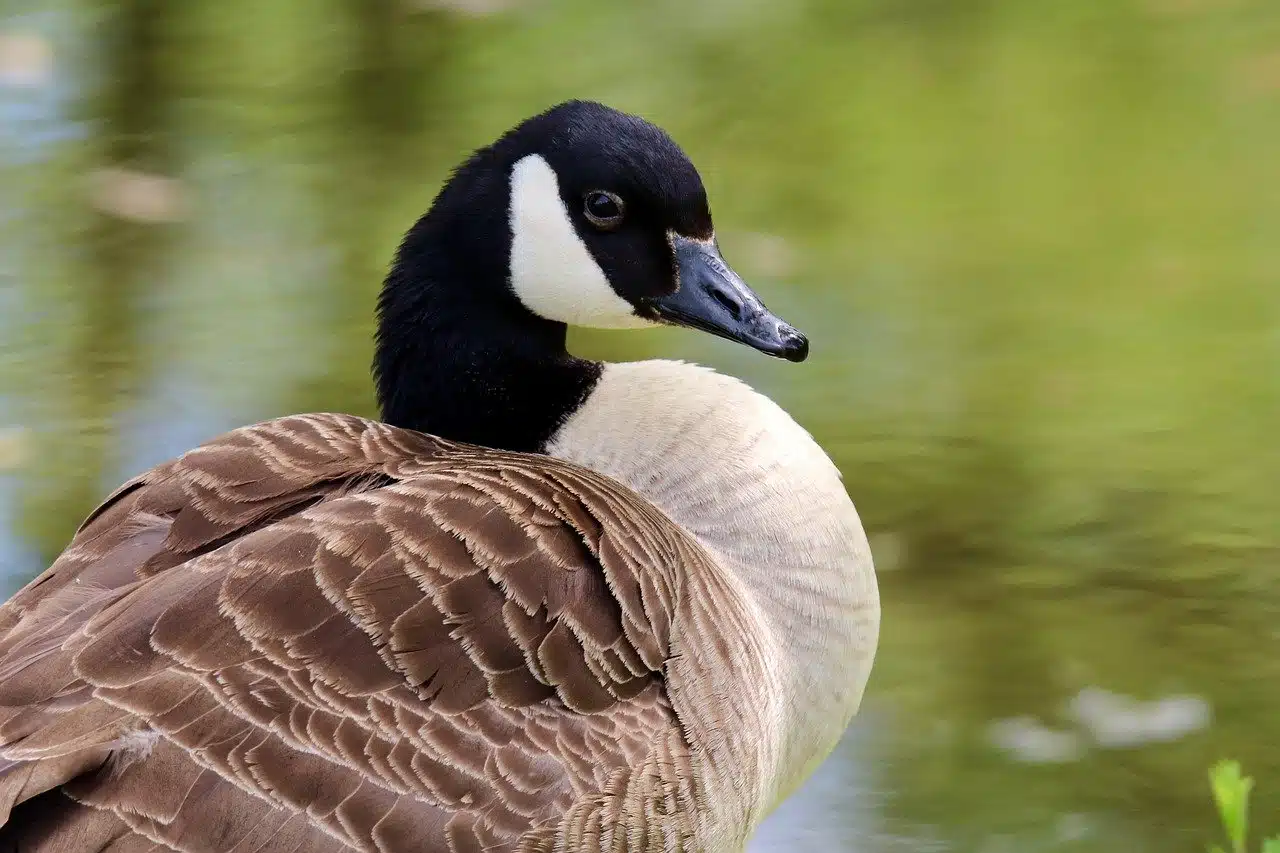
323	633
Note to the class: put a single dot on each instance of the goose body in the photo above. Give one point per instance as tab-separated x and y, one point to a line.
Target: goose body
543	605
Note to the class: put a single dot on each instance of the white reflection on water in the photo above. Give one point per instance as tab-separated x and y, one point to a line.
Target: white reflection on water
1117	721
1104	720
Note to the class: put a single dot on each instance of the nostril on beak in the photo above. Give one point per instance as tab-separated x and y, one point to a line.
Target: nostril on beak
727	301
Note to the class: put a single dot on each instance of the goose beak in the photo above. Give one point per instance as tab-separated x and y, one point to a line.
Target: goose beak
712	297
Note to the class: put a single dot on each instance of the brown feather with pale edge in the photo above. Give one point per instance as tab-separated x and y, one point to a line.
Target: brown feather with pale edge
323	633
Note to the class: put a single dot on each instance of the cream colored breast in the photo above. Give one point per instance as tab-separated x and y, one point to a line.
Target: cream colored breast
734	470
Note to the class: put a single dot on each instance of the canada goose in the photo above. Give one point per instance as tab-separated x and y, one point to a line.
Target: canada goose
546	605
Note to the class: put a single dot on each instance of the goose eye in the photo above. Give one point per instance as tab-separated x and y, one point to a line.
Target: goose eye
603	209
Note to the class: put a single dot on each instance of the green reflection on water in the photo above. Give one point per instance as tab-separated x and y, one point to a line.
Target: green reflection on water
1034	247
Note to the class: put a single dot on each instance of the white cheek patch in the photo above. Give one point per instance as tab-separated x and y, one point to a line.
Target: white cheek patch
552	271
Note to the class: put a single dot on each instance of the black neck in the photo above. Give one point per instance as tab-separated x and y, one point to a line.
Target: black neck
458	356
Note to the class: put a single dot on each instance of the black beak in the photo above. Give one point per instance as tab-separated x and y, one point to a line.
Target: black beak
712	297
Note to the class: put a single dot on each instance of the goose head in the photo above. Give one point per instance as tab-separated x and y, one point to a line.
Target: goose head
610	228
582	215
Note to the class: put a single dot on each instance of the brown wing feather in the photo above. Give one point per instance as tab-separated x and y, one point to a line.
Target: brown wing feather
323	633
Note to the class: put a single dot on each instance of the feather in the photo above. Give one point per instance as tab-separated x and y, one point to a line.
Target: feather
330	634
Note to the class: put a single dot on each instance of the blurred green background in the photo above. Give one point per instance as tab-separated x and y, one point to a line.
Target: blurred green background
1035	245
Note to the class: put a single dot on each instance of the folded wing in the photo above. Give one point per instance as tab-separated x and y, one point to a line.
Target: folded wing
322	633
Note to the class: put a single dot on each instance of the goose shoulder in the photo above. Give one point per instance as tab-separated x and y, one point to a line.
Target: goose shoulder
324	633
